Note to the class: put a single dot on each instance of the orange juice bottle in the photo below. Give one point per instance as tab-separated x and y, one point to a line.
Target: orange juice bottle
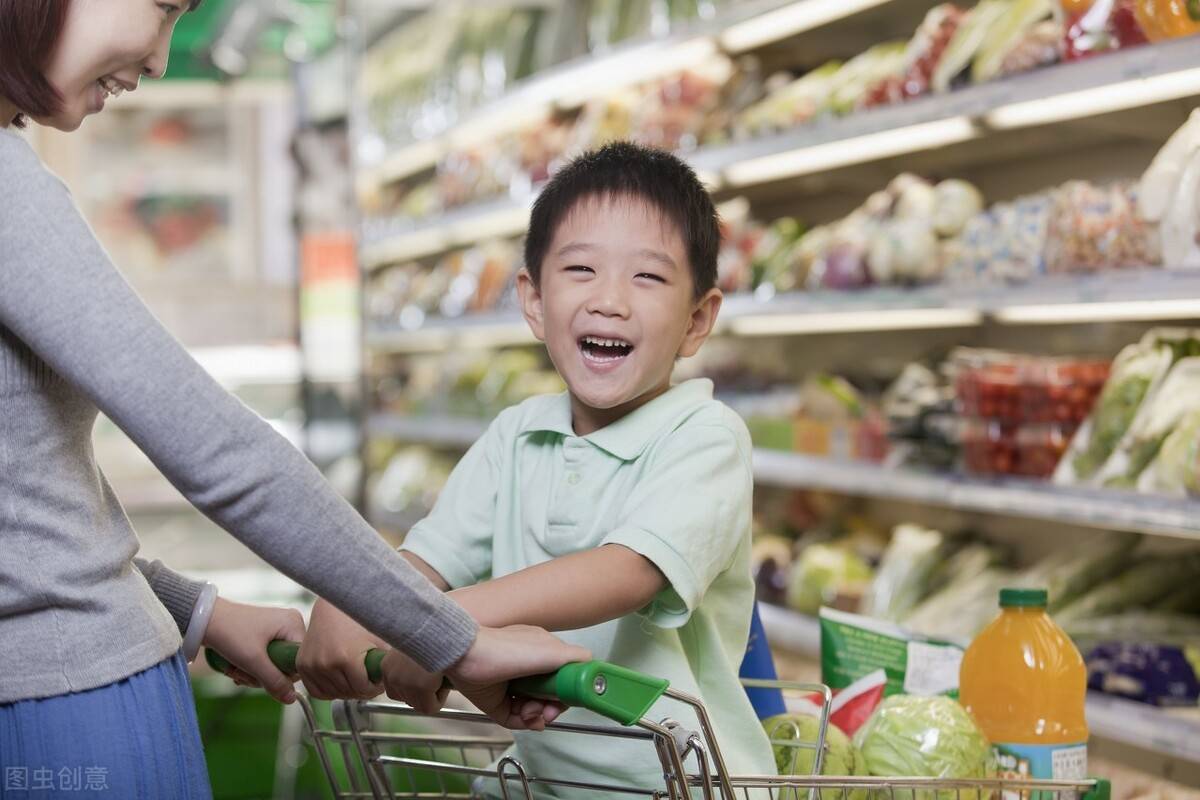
1026	684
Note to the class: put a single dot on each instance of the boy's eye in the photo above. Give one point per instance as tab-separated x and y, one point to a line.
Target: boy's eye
651	276
579	268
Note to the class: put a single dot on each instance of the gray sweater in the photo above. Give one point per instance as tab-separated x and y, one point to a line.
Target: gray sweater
75	612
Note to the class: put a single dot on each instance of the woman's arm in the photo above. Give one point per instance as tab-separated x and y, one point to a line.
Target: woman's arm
61	295
177	592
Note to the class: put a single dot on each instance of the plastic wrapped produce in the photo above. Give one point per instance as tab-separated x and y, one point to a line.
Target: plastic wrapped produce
1136	373
963	608
1166	19
1169	194
864	71
1068	574
1007	32
843	262
1003	244
1139	586
967	39
1164	627
1178	395
793	104
1158	674
1093	228
904	251
903	575
1039	47
1176	470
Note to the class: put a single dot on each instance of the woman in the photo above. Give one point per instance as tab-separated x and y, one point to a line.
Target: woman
91	672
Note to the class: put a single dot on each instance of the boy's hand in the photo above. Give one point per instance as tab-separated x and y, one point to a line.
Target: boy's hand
503	654
407	682
242	632
330	661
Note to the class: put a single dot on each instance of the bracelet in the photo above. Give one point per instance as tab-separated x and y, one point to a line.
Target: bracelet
198	624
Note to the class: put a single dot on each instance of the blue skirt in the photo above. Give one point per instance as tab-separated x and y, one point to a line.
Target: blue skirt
136	738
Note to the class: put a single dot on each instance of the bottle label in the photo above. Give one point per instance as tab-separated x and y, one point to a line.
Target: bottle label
1058	762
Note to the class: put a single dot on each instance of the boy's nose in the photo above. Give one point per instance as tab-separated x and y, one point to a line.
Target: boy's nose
609	304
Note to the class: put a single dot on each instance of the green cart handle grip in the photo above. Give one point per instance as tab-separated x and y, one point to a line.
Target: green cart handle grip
620	694
614	692
283	655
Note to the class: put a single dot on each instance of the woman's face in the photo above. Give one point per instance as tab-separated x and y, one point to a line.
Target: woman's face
105	48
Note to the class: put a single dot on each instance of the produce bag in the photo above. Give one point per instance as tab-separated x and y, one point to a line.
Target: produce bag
1007	32
1146	582
967	39
921	58
1178	395
1100	26
1169	194
1093	228
1068	574
1136	373
902	579
1176	469
1161	675
1157	626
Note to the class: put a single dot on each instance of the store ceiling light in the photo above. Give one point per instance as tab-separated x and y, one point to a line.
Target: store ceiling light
856	150
1121	311
851	321
1099	100
790	20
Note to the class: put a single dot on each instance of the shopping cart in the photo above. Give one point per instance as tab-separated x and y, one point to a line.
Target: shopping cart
393	751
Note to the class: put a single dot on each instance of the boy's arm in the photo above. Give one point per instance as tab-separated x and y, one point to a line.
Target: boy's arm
422	566
570	592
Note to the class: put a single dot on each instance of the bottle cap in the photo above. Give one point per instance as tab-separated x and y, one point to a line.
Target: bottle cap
1024	598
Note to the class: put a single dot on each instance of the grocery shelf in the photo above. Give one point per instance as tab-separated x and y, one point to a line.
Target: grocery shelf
457	228
1118	81
1106	509
1110	718
1109	296
745	26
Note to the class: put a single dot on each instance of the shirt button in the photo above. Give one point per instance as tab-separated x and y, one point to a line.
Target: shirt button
572	478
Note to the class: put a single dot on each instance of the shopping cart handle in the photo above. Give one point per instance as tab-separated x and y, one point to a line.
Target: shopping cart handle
283	655
617	693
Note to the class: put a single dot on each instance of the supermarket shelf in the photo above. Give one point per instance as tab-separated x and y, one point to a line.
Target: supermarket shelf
1110	718
1105	509
457	228
438	431
747	25
1111	296
1062	93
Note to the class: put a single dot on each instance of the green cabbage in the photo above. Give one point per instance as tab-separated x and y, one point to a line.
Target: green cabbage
789	732
929	737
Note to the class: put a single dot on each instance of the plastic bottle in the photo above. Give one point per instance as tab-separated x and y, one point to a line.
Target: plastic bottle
1026	685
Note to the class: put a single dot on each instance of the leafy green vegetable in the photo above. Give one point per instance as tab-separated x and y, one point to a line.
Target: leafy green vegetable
1114	412
790	732
1141	585
1067	574
931	737
820	573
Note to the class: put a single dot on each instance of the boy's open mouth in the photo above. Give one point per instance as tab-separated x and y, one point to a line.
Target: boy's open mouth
603	351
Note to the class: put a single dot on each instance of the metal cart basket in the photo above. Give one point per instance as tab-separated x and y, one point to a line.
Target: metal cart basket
390	750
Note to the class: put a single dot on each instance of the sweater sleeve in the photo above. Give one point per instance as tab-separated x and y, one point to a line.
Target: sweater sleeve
178	593
62	296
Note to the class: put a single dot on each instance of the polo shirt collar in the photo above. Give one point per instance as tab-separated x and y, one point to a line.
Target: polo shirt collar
628	437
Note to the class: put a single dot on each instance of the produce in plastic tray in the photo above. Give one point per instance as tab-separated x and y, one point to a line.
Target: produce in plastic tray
1136	373
1139	586
1017	388
1003	244
1178	395
928	737
1095	228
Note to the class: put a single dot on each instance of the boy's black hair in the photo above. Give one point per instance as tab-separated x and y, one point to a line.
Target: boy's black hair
624	169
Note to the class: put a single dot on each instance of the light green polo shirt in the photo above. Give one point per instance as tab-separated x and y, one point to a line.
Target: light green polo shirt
671	481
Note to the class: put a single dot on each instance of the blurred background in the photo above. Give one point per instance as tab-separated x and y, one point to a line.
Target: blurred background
960	273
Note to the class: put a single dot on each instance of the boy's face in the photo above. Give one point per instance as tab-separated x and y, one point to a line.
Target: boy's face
616	307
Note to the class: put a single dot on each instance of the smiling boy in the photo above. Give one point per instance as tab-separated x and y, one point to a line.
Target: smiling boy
619	511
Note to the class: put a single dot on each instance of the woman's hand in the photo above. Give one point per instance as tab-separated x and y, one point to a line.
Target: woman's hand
503	654
330	661
242	632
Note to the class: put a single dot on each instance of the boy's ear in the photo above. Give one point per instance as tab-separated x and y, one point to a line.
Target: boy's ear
704	318
531	304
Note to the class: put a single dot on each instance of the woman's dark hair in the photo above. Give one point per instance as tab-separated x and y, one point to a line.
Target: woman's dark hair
29	31
624	169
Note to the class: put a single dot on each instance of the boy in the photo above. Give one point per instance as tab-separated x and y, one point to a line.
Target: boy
618	512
